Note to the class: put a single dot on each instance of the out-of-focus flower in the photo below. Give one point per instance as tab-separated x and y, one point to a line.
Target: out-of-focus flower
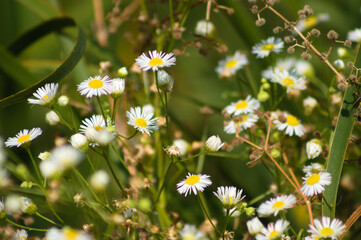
267	46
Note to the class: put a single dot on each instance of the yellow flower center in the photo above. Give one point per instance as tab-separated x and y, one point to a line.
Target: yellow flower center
140	122
231	64
273	234
278	205
46	97
189	237
313	179
326	232
155	62
268	47
70	234
99	128
229	198
95	83
192	180
291	120
244	118
241	105
24	138
288	82
311	21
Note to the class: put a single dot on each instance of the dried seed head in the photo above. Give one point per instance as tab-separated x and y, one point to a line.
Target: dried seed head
352	78
289	39
276	30
332	35
271	2
260	22
300	12
254	9
306	56
307	10
291	50
341	86
350	65
347	43
302	16
315	32
305	44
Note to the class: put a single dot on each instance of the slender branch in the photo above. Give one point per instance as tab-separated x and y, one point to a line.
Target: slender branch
351	220
25	227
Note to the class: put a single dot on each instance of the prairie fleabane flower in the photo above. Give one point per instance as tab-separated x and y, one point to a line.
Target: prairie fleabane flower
313	168
229	66
291	125
327	229
355	35
193	183
141	120
52	118
229	196
99	180
118	86
155	60
79	141
254	226
191	232
243	106
182	145
273	230
314	183
313	148
312	21
248	120
267	46
204	28
289	79
309	105
21	234
92	126
23	138
95	86
214	143
45	95
275	205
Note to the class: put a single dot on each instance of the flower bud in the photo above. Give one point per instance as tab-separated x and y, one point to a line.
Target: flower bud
339	64
79	141
91	134
118	87
254	226
263	96
165	80
250	211
63	101
27	206
275	153
12	204
205	28
313	148
309	104
44	155
342	52
99	180
52	118
122	72
214	143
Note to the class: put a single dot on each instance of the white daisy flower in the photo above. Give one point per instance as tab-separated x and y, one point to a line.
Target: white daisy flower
314	183
23	138
267	46
327	228
245	106
214	143
273	230
229	196
21	234
70	233
45	95
53	234
289	79
155	60
313	168
229	66
191	232
291	125
92	127
95	86
281	64
275	205
254	226
193	182
204	28
312	237
66	156
248	120
182	146
309	104
141	120
355	35
313	148
118	86
312	21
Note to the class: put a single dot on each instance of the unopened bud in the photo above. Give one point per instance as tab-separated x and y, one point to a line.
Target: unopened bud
122	72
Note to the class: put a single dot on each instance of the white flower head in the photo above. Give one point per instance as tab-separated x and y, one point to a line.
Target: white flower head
312	21
148	108
99	180
275	205
327	229
273	230
267	46
27	206
314	183
21	234
13	204
355	35
50	169
313	168
64	157
289	79
313	148
309	104
142	121
254	226
243	106
23	138
204	28
95	86
118	86
92	126
79	141
189	232
182	145
214	143
52	118
193	183
53	234
291	125
248	120
63	100
229	196
165	80
70	233
45	95
229	66
155	60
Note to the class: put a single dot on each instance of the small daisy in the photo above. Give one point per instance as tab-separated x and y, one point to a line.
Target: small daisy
274	205
21	234
141	120
191	232
193	182
355	35
273	230
229	196
95	86
291	125
45	95
229	67
155	60
327	228
236	126
245	106
314	183
23	138
289	79
312	21
313	168
264	48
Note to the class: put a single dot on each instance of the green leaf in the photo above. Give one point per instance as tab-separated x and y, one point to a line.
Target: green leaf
12	67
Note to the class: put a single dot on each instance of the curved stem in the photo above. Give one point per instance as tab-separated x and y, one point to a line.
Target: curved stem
101	109
207	214
35	166
47	219
163	183
25	227
120	157
128	138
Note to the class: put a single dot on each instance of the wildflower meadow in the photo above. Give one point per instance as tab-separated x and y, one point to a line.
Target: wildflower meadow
180	119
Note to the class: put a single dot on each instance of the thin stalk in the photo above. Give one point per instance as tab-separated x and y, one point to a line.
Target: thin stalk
225	223
47	219
162	185
72	117
122	189
90	163
35	166
189	158
207	214
120	157
25	227
52	208
202	157
128	138
101	109
114	109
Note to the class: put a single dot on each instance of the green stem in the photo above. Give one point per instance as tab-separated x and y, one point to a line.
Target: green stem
163	183
47	219
52	208
90	163
35	166
25	227
206	213
101	109
120	157
202	157
62	119
72	117
128	138
225	223
114	109
122	189
194	156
